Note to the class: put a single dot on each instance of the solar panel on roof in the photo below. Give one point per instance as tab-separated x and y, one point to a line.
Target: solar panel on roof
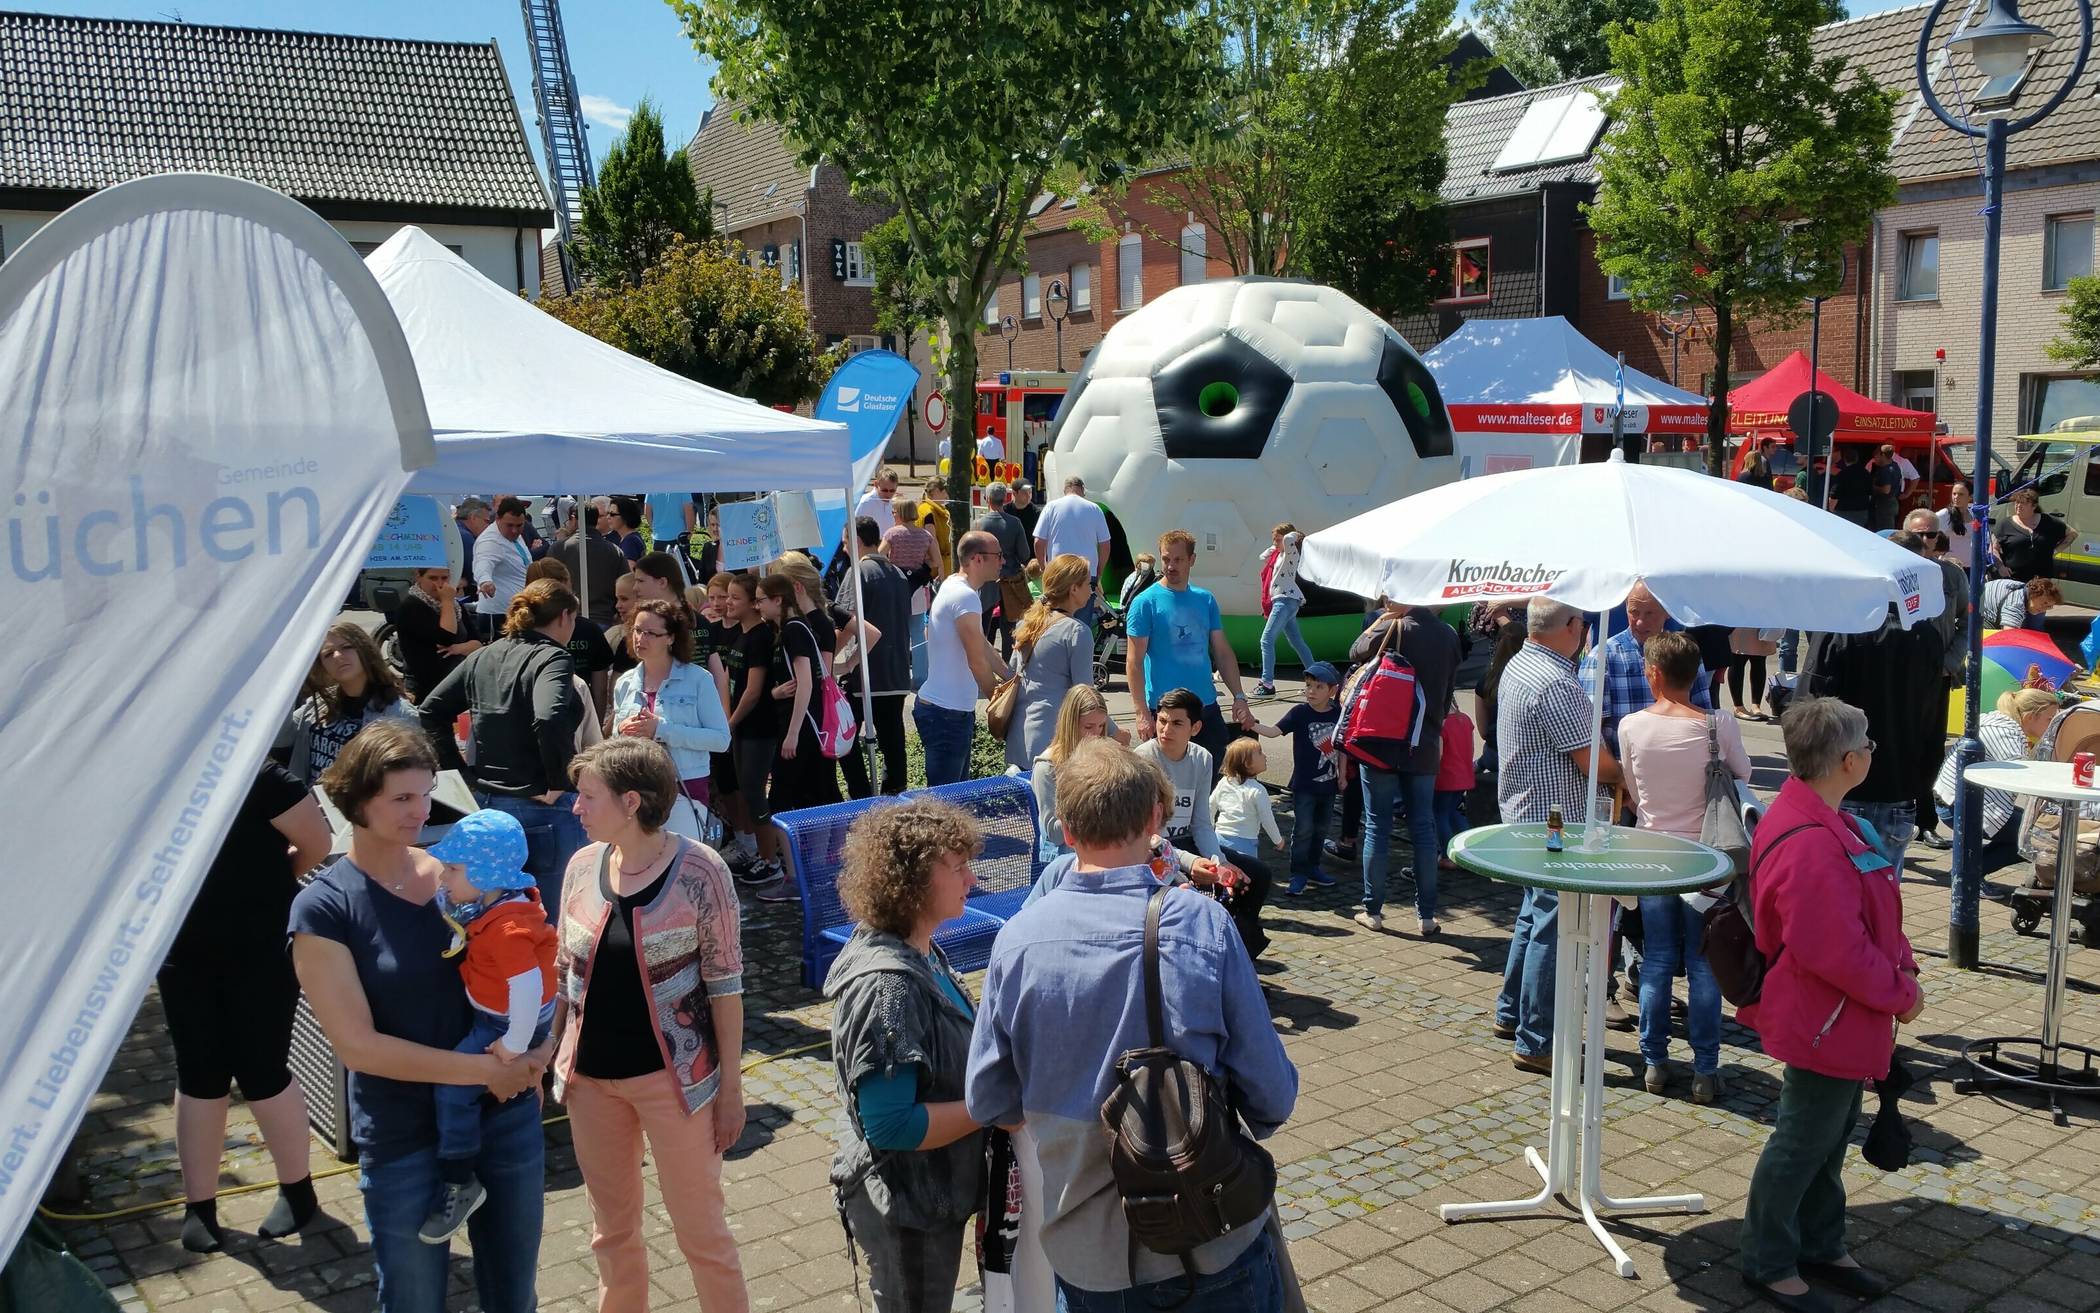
1532	132
1576	132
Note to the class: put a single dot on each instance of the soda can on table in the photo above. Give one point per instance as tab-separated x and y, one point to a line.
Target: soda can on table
2082	770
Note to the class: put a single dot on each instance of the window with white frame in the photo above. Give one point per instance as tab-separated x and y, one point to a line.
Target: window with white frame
1031	296
858	273
1082	287
1918	274
1470	277
1130	272
991	311
2067	250
1615	288
1195	261
791	264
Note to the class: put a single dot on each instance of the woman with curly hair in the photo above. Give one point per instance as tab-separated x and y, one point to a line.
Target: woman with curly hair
353	686
909	1170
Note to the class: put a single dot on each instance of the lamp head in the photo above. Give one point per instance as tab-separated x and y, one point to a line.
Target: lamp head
1054	300
2001	40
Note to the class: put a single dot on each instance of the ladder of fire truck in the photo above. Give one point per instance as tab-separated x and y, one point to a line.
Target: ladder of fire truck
561	123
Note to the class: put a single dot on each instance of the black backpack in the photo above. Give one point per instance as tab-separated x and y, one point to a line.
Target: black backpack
1188	1173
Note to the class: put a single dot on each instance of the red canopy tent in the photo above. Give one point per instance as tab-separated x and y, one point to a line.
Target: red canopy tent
1761	406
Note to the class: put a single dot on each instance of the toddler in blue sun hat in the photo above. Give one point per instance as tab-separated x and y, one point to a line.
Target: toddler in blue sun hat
506	951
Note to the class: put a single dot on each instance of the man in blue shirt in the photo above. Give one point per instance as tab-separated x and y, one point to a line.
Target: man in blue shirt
1177	635
1625	673
1064	998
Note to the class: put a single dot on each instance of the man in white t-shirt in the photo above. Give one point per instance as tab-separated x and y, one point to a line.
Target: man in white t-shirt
875	502
1074	525
960	666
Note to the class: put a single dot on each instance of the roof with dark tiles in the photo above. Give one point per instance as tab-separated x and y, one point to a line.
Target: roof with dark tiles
747	165
385	124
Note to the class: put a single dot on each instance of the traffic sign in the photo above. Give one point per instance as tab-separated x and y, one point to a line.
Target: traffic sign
936	411
1826	417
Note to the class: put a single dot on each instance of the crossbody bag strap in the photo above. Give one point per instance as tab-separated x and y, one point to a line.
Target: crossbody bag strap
1713	744
1155	1018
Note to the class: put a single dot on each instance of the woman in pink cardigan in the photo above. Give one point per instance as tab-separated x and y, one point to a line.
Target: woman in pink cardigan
1839	978
649	1024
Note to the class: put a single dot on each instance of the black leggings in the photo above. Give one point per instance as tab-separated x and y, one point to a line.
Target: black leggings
1245	906
1737	662
889	742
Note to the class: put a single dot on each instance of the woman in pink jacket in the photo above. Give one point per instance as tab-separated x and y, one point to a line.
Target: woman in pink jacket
1839	978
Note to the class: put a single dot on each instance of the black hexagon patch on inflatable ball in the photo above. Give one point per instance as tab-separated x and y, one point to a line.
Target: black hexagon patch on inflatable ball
1219	401
1414	394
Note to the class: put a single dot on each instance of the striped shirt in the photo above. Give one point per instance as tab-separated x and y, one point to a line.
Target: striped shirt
2003	740
1626	682
1541	715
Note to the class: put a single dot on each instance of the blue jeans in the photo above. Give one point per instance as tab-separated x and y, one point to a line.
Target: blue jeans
1252	1283
1526	1000
1283	618
504	1232
1671	933
1450	817
918	651
1381	789
1895	822
552	837
1310	812
459	1106
1997	853
944	739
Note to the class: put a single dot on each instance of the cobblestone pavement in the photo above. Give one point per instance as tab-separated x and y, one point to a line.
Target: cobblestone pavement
1408	1101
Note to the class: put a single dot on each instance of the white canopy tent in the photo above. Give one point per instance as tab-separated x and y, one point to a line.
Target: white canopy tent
1522	392
520	400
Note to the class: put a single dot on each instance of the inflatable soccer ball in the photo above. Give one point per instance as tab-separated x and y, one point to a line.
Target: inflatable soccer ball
1227	407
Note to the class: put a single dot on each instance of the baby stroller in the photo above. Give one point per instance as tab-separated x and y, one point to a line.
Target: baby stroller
1108	644
2075	729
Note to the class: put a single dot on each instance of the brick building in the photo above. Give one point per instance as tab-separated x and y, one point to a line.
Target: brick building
87	103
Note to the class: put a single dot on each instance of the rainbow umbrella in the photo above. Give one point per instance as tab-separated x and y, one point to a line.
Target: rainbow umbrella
2009	657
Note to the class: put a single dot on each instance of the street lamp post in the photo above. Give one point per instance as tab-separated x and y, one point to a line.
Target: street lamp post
1009	328
1058	305
1815	393
1679	322
2000	43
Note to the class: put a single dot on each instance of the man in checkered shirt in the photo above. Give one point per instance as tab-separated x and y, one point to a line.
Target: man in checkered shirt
1542	727
1625	668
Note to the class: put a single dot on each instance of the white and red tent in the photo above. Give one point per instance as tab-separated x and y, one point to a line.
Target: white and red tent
1523	392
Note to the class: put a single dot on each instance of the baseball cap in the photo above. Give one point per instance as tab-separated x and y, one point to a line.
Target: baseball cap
490	844
1323	671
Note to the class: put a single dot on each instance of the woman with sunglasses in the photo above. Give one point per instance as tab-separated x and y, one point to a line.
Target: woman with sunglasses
669	698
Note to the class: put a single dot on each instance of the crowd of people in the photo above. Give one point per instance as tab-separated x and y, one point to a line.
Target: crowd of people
629	748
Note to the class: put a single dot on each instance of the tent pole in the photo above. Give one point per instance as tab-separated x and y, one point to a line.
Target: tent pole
583	556
1593	837
860	622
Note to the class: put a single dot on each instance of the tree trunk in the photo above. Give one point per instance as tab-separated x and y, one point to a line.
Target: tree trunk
1717	411
962	422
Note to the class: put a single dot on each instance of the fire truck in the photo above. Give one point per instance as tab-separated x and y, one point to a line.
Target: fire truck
1023	403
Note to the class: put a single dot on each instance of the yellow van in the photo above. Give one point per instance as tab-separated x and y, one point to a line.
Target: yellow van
2063	466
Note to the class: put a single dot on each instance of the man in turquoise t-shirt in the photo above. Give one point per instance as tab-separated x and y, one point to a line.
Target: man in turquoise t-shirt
1177	635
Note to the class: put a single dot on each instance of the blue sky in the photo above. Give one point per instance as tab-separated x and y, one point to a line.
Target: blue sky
621	50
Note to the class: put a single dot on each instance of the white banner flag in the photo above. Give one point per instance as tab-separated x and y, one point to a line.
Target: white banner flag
209	411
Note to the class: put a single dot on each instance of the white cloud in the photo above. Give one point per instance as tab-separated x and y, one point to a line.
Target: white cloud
607	113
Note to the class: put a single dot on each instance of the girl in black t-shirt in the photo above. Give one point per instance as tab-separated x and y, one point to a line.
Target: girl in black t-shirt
803	776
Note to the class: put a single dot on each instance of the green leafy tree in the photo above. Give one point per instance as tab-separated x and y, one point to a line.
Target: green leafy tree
1326	153
1365	154
960	113
2079	347
1549	41
702	311
904	305
645	200
1738	166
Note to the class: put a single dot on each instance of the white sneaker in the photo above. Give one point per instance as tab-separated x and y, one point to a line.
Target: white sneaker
1370	920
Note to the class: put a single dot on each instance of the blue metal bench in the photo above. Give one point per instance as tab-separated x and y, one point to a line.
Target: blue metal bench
1005	870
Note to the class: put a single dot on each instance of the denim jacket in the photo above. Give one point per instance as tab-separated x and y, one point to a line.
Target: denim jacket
689	716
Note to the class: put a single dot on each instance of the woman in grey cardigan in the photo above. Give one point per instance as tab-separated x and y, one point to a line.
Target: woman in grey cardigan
909	1171
1052	652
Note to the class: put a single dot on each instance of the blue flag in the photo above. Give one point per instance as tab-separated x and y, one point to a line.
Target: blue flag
867	394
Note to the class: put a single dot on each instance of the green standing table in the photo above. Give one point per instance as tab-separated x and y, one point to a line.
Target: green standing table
1623	863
